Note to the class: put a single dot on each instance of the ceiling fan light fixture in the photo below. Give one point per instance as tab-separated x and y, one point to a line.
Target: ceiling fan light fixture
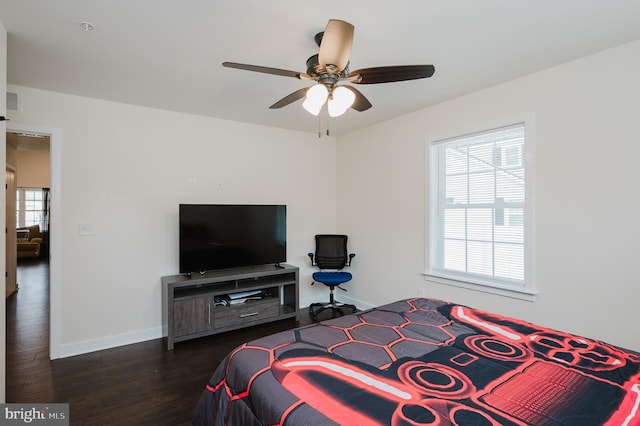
340	101
316	97
330	67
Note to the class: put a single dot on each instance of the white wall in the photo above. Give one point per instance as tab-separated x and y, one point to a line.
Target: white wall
586	195
125	169
33	169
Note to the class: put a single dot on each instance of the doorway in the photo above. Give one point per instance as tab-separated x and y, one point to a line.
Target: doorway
53	135
28	178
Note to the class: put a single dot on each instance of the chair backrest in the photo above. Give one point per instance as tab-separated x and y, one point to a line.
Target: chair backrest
331	251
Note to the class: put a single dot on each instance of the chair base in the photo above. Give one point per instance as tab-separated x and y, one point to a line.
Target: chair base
335	306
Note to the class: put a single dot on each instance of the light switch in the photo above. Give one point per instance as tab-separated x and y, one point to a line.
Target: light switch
86	229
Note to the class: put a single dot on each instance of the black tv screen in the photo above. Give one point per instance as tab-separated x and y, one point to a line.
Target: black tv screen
223	236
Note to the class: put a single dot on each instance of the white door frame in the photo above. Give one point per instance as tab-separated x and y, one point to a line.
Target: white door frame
11	263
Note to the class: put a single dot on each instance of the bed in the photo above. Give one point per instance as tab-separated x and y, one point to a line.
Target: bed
423	362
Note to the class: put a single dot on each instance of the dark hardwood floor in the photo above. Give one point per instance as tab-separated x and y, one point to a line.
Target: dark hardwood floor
135	384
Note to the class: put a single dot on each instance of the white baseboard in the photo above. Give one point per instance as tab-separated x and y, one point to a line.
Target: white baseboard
92	345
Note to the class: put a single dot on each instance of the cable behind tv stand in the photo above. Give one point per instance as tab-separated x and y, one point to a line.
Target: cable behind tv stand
219	301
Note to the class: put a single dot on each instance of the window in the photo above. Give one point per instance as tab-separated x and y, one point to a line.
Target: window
31	207
477	217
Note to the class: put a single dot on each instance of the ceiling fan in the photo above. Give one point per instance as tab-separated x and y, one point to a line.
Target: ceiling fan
330	67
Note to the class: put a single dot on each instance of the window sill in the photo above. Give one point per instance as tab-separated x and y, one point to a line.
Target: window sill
516	293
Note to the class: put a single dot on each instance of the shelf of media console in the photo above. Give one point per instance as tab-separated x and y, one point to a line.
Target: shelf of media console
192	308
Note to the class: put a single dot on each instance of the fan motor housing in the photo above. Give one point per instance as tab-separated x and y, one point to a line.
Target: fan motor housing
314	69
313	66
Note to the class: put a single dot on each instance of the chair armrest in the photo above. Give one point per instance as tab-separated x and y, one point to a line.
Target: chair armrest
311	257
351	256
36	240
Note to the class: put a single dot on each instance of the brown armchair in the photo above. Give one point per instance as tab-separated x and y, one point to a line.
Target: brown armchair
29	241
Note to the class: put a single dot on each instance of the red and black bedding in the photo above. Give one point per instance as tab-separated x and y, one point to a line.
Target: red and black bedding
424	362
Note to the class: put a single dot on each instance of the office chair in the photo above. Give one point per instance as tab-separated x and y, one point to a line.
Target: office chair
331	257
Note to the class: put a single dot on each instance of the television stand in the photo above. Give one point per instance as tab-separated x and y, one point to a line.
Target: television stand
229	299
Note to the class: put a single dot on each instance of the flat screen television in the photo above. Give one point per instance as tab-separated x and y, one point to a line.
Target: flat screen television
224	236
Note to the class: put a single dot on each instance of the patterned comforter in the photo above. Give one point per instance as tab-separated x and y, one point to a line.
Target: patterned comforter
424	362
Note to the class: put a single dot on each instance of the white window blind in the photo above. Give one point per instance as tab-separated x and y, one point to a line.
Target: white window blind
30	207
478	208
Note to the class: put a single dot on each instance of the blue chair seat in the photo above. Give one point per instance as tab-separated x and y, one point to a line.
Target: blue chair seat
332	278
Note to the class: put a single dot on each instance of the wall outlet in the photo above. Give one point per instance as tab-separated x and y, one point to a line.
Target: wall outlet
422	292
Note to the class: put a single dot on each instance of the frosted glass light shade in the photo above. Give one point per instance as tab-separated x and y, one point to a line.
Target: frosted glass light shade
311	108
316	97
341	100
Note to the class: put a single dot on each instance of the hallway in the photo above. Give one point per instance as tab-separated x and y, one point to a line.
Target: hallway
28	367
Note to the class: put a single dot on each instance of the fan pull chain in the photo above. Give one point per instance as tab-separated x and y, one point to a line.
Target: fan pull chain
328	132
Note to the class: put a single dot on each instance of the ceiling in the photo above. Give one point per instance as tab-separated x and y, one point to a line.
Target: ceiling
168	54
29	142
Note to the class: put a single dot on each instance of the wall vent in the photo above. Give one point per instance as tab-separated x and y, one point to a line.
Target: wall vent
14	102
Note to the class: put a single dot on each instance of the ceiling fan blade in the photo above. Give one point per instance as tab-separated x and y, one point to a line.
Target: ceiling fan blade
393	73
266	70
290	98
335	48
361	103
